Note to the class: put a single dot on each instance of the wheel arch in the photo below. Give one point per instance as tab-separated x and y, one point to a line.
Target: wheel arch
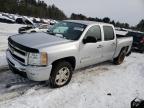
71	60
125	47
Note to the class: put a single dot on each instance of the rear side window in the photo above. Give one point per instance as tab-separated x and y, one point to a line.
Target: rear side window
108	33
94	31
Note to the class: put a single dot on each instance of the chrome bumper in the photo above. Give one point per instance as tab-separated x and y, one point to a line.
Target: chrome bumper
34	73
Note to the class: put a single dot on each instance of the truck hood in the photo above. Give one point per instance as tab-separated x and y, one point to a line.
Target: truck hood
38	40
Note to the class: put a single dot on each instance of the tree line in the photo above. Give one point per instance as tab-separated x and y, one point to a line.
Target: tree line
35	8
139	26
38	8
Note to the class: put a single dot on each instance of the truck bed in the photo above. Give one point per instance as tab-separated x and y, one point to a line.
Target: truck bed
123	42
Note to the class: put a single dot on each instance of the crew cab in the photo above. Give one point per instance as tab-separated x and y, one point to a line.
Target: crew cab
67	46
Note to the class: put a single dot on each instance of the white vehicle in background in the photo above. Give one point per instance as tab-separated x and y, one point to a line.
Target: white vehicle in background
32	27
120	32
6	19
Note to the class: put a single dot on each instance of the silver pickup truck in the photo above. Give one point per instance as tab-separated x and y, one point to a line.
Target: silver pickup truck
67	46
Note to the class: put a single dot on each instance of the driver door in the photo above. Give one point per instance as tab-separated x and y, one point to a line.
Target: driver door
91	52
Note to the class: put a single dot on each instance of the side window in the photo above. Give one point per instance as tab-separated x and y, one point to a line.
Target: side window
94	31
108	33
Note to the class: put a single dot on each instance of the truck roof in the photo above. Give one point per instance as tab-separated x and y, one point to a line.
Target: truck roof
87	22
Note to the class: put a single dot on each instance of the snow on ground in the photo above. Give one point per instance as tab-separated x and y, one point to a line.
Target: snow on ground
6	30
101	86
9	28
90	87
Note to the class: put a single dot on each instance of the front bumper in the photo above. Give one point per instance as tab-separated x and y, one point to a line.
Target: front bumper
34	73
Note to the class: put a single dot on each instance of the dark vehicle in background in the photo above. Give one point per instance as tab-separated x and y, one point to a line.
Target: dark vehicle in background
20	21
138	41
23	20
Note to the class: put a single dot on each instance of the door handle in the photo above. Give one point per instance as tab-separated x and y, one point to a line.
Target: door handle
100	46
113	44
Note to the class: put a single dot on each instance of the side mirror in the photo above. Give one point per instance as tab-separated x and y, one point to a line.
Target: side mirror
90	39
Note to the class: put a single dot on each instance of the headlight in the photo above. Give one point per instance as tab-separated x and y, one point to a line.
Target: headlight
38	58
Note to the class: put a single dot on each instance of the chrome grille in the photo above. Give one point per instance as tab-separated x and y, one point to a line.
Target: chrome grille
18	54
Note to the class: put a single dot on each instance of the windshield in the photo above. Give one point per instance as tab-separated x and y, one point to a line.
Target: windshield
67	30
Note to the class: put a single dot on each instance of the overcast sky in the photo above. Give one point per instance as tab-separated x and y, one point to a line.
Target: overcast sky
131	11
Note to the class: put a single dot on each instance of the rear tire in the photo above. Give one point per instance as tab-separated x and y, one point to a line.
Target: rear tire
61	74
119	60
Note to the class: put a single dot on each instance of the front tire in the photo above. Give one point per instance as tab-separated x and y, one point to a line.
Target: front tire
61	74
119	60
